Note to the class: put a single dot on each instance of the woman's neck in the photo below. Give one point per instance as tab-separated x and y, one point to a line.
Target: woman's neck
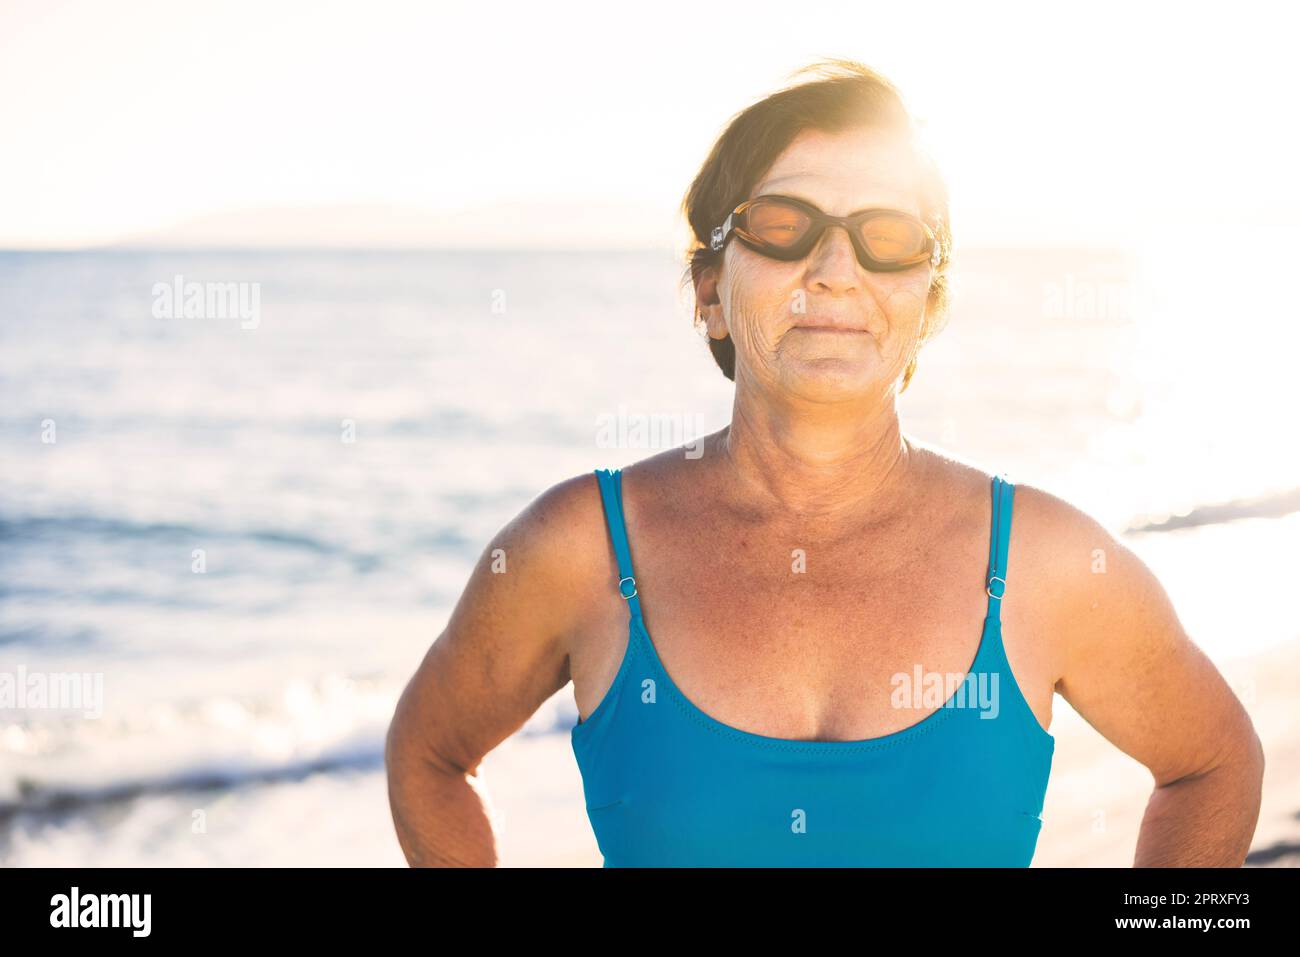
820	464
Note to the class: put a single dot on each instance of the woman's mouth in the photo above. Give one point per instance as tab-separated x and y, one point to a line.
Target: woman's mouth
834	329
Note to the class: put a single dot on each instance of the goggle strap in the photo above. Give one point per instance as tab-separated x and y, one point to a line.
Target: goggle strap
719	237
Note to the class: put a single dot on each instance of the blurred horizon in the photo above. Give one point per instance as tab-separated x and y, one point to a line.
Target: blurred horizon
1054	129
531	225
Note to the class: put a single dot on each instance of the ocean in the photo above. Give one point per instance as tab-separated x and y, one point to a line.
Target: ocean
245	523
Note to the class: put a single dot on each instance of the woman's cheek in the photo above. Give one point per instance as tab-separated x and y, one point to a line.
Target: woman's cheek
749	322
904	307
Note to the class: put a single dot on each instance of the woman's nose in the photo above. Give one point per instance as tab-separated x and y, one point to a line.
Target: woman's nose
834	261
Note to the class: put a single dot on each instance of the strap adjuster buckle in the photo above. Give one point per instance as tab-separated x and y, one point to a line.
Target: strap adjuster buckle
988	587
624	594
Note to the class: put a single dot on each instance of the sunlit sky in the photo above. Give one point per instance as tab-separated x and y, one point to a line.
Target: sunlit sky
1052	122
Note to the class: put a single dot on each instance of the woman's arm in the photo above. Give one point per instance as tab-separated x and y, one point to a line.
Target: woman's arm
503	653
1128	667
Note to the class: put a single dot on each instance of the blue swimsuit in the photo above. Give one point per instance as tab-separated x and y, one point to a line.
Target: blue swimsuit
667	785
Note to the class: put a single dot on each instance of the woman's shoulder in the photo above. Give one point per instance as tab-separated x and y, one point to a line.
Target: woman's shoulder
1056	544
657	486
1072	573
568	518
562	525
1067	574
1038	513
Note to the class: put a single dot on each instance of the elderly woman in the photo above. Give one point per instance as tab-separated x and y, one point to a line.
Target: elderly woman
820	642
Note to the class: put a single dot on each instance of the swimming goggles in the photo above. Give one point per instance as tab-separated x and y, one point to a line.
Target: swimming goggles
785	228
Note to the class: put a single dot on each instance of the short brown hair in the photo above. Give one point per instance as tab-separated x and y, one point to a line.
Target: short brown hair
848	96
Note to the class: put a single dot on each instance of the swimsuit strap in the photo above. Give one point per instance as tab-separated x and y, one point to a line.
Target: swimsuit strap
611	493
999	542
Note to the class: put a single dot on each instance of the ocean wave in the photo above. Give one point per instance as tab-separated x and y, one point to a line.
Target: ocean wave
1270	505
44	527
57	800
334	725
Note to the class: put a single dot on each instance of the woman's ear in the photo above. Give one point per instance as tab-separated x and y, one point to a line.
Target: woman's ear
707	304
713	323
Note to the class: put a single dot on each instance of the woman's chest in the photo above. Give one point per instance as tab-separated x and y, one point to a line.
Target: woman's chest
798	637
812	641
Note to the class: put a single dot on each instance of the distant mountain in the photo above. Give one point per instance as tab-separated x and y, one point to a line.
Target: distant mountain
526	224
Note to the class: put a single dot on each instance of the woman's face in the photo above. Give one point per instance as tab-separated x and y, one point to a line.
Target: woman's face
823	327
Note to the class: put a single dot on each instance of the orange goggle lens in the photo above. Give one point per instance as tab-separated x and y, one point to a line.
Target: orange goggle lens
888	237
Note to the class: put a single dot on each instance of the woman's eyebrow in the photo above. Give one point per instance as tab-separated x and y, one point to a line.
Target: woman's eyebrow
805	199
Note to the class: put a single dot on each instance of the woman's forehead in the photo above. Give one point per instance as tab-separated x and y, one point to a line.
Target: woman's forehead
841	173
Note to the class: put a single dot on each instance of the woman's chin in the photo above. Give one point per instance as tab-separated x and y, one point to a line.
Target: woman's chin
832	378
